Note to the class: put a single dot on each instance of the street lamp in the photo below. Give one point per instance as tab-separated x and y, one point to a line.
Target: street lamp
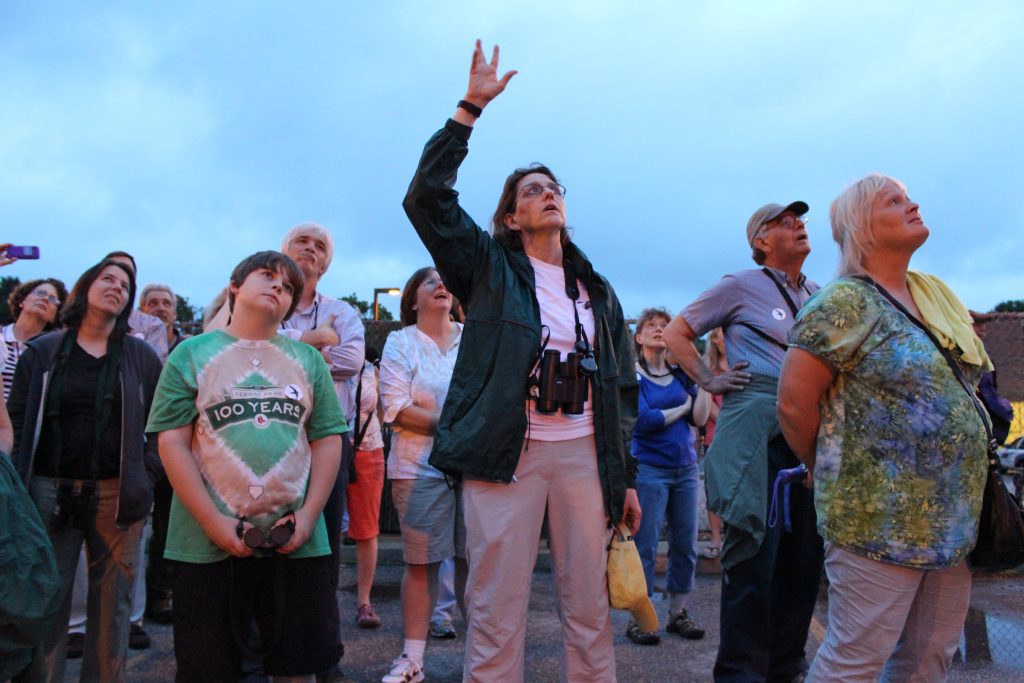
391	291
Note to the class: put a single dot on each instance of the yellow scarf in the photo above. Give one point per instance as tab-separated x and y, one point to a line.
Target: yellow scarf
947	318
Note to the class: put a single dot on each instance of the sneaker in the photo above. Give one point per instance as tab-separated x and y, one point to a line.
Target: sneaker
641	637
711	552
403	670
682	624
138	639
366	617
76	645
442	629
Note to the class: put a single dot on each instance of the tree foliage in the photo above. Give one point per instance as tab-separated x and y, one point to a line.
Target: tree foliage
366	308
1011	306
7	285
186	312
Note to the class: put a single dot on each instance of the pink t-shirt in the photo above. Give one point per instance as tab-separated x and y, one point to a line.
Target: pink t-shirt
556	314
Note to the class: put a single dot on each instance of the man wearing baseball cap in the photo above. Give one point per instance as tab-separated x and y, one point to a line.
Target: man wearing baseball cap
770	575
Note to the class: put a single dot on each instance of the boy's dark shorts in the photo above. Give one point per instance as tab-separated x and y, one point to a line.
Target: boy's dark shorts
205	646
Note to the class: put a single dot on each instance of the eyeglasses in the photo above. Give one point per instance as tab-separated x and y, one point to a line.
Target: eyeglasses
43	294
789	221
536	189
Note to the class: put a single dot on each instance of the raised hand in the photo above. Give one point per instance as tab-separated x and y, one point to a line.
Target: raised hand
484	84
6	260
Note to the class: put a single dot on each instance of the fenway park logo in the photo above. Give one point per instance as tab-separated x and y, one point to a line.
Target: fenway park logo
261	412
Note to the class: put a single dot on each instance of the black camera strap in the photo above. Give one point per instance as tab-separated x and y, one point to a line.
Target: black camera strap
572	291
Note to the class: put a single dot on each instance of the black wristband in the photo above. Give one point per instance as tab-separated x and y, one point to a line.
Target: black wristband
471	108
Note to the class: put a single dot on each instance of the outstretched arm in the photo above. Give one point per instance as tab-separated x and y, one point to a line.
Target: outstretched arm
484	84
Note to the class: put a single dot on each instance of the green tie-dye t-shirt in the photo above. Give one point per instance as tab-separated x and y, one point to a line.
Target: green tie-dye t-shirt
255	406
901	456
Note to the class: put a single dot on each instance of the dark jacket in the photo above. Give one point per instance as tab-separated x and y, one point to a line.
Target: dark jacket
484	419
139	372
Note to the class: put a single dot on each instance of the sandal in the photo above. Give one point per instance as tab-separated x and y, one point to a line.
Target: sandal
641	637
711	552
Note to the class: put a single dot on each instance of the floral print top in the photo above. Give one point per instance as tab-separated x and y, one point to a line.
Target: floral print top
901	452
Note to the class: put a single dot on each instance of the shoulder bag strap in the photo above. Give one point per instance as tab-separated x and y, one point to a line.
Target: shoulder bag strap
950	361
782	290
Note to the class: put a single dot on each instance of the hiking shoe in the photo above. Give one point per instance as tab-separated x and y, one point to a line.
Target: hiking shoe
366	617
138	639
641	637
403	670
442	629
683	625
76	645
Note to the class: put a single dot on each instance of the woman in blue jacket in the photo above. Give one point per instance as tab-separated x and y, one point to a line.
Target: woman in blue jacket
667	474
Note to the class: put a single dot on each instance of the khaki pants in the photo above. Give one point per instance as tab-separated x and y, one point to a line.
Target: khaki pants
113	556
883	615
503	523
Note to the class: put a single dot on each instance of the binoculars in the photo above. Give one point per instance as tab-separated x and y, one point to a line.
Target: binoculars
274	537
564	384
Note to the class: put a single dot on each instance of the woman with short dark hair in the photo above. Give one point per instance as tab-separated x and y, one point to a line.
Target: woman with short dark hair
78	404
667	476
34	306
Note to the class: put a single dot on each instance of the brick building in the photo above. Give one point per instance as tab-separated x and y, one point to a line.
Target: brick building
1003	334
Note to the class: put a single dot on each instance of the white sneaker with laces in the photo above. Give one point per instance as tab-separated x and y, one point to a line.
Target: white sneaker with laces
404	670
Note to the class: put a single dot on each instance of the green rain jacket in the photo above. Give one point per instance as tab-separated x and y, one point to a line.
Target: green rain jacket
484	420
30	590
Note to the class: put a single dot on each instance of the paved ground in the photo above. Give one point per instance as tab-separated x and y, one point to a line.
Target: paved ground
994	642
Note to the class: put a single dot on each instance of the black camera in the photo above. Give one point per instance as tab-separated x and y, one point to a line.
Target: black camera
563	385
274	537
75	507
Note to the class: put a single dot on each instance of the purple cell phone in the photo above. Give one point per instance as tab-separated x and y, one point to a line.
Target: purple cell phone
23	252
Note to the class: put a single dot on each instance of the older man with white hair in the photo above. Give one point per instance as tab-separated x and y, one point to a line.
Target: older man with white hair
334	327
160	301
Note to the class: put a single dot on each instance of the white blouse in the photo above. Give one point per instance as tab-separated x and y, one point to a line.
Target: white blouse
414	371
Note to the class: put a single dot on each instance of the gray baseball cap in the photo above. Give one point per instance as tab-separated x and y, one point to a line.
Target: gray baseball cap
770	212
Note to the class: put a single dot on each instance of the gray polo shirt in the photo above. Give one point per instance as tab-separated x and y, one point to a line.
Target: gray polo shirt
750	297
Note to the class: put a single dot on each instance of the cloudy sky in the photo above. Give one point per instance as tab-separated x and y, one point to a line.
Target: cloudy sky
193	134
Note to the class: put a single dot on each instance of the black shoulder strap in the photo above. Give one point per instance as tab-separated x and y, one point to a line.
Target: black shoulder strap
360	431
764	335
950	361
782	290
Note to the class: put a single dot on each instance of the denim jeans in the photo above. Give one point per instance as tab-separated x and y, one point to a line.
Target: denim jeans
671	491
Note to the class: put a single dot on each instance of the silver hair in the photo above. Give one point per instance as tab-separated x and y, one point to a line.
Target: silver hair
850	215
148	289
310	229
